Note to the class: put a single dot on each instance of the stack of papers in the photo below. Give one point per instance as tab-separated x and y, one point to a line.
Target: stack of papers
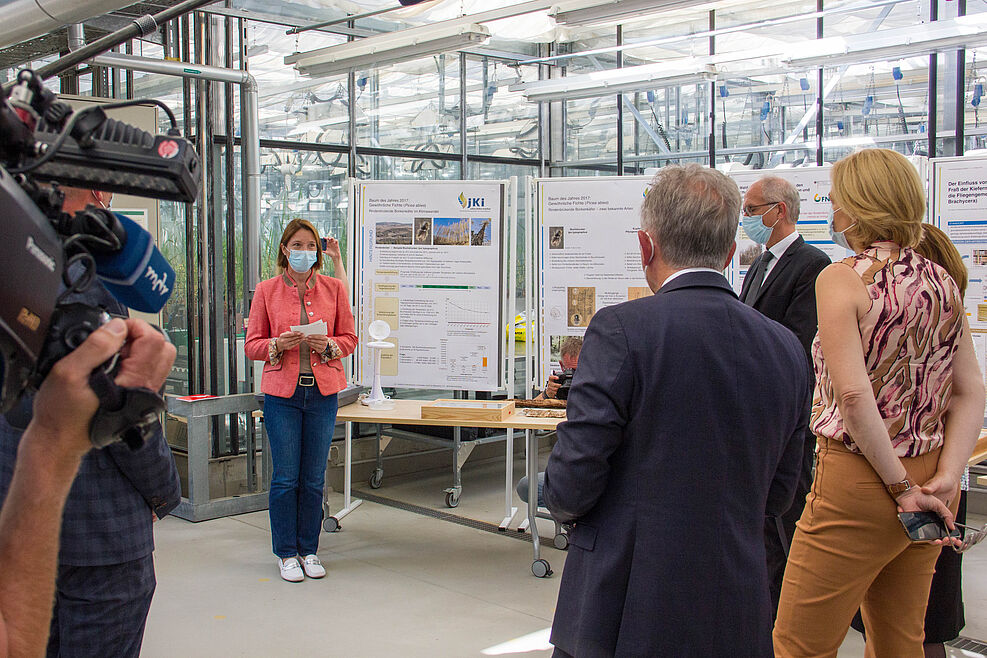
314	329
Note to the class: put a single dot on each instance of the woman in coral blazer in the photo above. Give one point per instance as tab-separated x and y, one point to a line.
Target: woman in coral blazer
302	375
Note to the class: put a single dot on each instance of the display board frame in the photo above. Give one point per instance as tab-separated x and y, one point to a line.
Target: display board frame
493	198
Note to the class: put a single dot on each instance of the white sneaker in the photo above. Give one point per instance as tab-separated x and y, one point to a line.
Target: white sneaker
291	570
313	567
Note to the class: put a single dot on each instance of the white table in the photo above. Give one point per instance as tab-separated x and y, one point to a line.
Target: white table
408	412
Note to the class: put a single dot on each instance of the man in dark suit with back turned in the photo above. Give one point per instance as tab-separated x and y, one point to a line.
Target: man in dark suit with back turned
669	460
105	567
781	284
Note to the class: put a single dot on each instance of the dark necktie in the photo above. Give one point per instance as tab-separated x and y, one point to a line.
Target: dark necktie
762	270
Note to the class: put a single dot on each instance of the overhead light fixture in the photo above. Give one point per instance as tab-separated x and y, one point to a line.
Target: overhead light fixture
390	48
616	81
579	13
884	45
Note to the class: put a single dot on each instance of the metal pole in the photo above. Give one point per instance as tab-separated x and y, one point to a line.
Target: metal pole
463	145
620	107
933	86
140	27
712	95
960	90
820	96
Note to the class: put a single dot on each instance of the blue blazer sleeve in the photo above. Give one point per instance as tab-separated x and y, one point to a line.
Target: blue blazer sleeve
782	490
151	471
579	467
151	468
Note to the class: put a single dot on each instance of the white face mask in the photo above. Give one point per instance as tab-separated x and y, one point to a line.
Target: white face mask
839	237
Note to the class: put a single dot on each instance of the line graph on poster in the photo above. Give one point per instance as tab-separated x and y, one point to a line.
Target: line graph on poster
469	313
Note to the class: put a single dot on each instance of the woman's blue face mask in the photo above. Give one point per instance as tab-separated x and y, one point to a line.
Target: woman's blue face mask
302	260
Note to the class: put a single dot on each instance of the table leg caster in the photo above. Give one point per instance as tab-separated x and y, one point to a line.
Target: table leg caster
331	524
541	569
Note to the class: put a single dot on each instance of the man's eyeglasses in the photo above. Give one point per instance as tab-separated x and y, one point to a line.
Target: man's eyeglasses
749	210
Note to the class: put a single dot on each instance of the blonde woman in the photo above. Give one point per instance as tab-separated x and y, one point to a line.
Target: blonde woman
898	407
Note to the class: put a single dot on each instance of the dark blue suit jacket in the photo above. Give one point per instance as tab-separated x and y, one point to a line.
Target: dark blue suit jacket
107	517
684	429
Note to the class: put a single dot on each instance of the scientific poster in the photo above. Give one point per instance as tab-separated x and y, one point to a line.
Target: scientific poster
431	266
588	253
959	207
813	186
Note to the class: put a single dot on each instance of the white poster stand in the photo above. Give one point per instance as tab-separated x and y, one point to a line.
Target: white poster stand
588	255
432	263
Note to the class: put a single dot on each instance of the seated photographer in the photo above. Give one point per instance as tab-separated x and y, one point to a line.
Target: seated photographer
568	358
49	453
105	568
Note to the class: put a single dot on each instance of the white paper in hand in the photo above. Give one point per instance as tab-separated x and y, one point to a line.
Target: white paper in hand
314	329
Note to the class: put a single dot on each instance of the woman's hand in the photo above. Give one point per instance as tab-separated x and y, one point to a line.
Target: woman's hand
317	343
916	500
942	486
289	340
332	249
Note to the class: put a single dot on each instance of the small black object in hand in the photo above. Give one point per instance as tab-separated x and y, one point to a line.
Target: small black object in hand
565	383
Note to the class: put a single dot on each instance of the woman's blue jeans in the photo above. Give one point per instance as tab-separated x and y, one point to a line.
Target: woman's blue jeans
300	430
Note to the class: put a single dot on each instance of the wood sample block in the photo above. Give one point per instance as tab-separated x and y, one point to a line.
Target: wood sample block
468	409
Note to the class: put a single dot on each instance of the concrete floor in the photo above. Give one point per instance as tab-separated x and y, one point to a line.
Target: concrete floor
399	584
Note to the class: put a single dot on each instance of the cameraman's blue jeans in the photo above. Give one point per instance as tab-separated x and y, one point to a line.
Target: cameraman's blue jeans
522	489
300	430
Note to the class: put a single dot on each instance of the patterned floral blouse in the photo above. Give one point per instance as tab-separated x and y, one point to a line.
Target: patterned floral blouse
910	334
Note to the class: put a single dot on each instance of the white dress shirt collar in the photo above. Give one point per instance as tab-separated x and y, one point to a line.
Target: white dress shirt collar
689	270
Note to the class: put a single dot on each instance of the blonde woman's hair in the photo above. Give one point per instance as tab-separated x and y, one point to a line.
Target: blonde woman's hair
937	247
881	192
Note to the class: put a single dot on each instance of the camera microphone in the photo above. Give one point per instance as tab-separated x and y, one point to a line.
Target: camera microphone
137	274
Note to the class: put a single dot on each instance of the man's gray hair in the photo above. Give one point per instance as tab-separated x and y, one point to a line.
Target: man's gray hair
776	189
692	213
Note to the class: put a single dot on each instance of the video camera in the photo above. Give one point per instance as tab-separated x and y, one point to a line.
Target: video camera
44	144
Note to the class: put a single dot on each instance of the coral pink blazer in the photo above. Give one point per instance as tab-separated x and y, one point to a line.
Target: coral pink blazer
276	307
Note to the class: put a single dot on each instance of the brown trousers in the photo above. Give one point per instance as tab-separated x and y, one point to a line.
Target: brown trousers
850	551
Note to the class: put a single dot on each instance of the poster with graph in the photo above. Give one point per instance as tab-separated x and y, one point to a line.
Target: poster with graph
588	253
431	265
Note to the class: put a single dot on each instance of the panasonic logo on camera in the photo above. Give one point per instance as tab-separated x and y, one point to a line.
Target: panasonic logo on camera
39	253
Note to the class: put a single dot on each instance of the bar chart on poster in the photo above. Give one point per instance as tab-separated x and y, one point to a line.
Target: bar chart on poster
431	265
588	252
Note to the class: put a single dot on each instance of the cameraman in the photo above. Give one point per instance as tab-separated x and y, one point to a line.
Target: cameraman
49	453
568	358
105	566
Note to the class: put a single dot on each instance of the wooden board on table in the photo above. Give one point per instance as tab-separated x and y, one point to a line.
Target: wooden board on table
468	409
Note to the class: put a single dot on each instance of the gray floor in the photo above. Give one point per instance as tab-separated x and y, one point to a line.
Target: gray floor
399	584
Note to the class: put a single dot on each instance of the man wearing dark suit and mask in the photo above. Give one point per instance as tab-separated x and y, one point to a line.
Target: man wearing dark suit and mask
781	284
671	458
105	575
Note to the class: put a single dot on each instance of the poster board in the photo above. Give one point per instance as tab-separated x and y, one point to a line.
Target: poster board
431	263
813	185
959	207
588	254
